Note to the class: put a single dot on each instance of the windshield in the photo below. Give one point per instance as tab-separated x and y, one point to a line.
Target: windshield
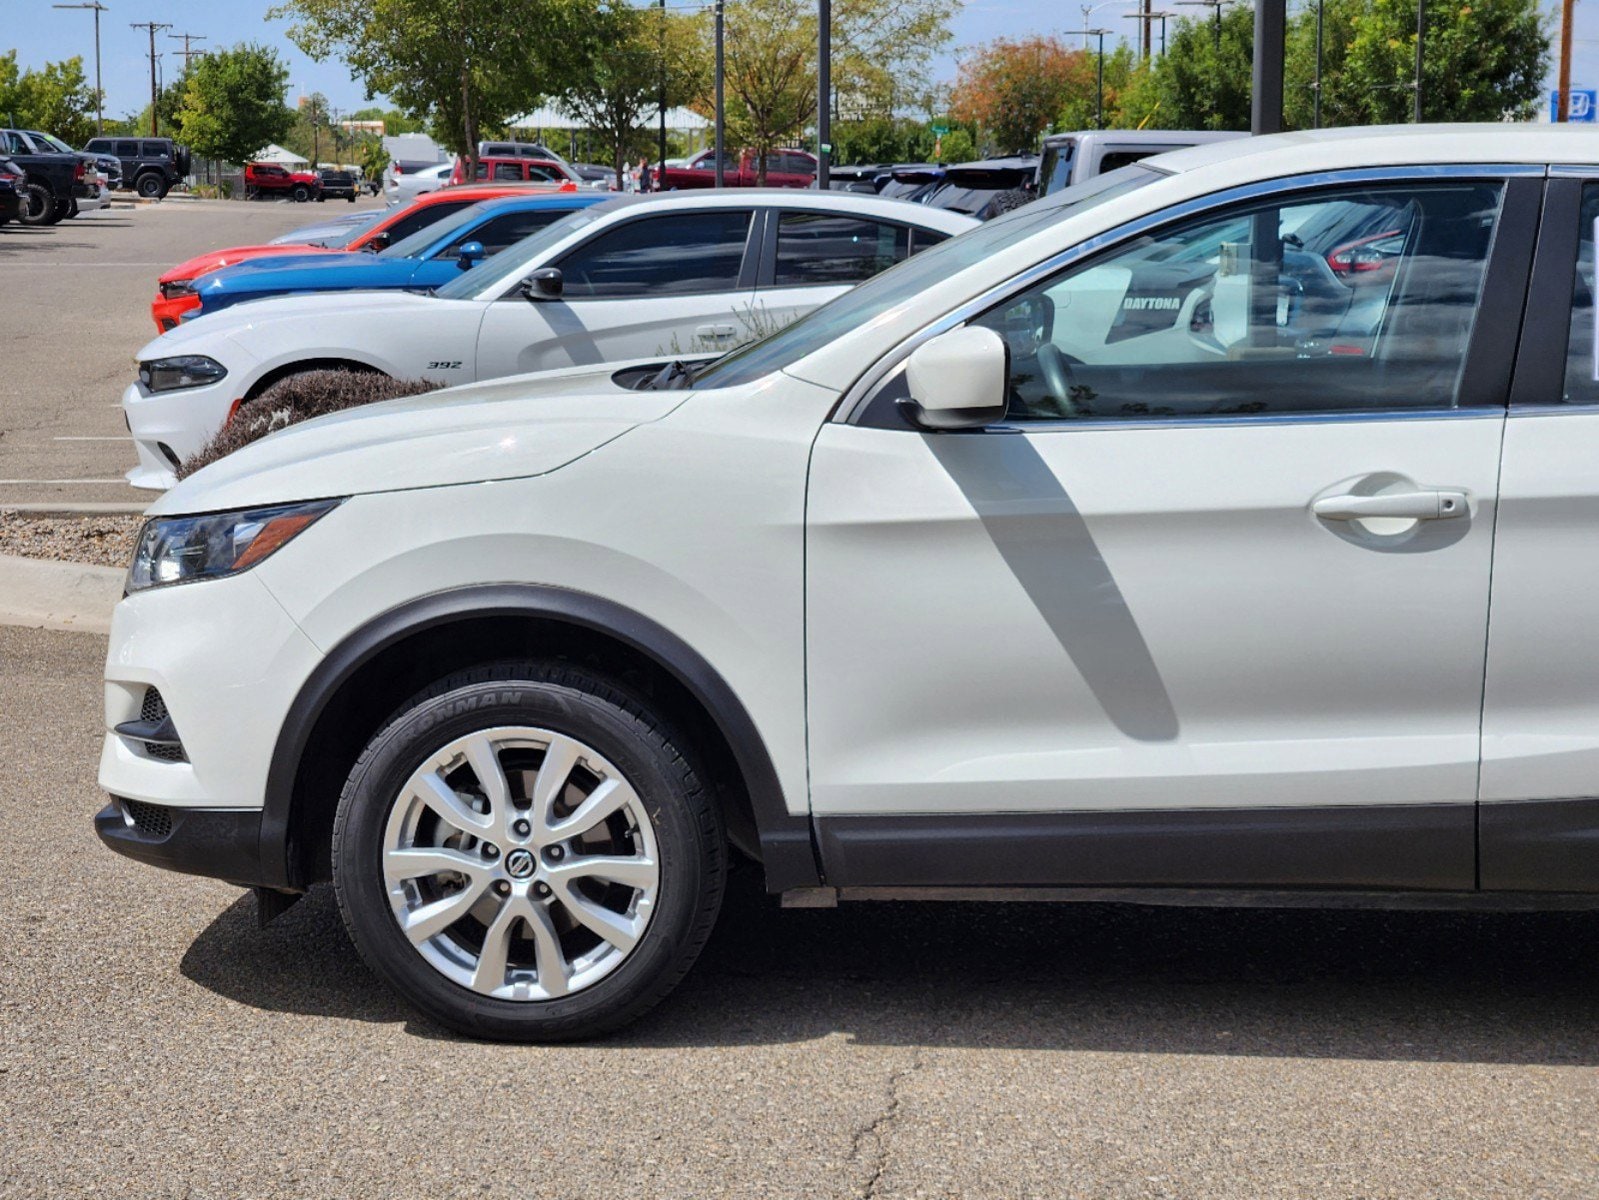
55	143
410	247
482	279
870	300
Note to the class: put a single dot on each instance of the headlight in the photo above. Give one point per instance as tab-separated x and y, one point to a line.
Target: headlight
183	371
182	549
178	287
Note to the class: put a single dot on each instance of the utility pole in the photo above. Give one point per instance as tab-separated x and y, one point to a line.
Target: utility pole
99	95
660	162
720	80
1143	13
1099	102
1266	101
1421	30
1315	116
187	53
824	88
154	27
1564	109
1146	16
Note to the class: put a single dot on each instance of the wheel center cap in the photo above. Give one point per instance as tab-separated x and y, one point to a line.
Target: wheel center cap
519	864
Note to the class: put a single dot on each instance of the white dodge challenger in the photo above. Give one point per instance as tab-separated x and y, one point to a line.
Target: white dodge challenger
672	274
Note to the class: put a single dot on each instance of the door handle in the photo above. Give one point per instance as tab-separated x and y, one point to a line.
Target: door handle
1429	505
715	333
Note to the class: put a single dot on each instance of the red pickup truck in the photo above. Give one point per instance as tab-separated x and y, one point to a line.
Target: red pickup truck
270	179
784	168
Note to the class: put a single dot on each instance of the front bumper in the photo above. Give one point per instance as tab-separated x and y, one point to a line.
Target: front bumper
10	206
168	312
222	843
179	422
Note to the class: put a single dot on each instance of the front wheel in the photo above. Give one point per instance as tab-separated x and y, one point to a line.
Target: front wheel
301	193
525	853
38	205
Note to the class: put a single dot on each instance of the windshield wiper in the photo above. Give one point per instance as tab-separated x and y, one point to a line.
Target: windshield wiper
674	376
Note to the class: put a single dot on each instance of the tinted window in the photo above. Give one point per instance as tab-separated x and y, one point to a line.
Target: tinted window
545	173
13	143
1112	159
422	218
103	145
504	170
1055	168
1582	347
505	230
827	249
657	256
1345	300
155	150
127	149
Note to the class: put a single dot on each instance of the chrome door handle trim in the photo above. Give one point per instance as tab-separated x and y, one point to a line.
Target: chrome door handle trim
1432	505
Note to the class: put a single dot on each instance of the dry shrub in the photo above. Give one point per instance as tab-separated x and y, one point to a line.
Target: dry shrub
299	398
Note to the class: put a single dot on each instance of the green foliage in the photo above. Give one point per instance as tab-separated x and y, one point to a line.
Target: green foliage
465	65
394	121
631	54
1203	81
56	100
233	104
169	111
956	146
1015	90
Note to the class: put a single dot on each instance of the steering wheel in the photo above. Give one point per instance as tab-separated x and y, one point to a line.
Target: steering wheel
1056	368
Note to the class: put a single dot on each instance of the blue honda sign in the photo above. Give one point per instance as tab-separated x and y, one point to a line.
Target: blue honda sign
1584	105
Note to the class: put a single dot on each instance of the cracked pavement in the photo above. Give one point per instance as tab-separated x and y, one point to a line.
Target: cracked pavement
155	1043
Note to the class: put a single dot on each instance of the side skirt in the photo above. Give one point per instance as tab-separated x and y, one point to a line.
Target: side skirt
1206	898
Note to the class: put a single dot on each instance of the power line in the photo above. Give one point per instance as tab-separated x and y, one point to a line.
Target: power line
187	53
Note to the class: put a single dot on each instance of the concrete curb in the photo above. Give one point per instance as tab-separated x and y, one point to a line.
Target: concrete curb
41	594
88	508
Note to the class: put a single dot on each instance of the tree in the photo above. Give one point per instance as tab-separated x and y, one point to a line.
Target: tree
169	108
233	105
1203	79
629	54
881	50
56	99
1015	90
1484	60
464	64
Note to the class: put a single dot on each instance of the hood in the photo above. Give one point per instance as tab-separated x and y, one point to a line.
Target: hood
239	321
215	260
278	273
504	429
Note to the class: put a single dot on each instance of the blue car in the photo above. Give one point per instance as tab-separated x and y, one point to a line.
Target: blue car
427	259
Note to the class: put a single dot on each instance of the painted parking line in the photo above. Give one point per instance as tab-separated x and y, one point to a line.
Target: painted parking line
82	438
11	482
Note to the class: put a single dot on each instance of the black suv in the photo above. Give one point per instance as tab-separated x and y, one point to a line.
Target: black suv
150	166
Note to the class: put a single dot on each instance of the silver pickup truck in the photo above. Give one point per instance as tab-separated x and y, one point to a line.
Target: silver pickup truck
1069	158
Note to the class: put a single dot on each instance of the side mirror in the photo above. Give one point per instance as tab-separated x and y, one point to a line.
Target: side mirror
959	380
543	284
471	254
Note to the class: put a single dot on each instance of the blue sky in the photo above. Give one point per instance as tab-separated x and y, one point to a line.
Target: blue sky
48	35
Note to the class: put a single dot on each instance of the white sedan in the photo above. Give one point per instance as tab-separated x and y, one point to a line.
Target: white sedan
673	274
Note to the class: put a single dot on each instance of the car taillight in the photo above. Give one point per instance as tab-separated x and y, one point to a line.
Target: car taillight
77	173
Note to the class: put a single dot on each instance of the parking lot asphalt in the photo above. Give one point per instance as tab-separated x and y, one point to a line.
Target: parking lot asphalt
77	308
155	1042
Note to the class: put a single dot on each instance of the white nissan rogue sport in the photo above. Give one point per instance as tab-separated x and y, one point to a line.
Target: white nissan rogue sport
1220	530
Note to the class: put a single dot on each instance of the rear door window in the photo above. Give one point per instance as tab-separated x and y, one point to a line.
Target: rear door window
127	149
824	248
661	256
423	217
505	230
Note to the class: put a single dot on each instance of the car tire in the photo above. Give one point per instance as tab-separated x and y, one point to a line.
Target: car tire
38	204
535	940
301	193
320	199
351	197
150	186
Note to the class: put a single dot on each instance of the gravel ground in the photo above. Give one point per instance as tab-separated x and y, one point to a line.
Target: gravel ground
104	541
155	1043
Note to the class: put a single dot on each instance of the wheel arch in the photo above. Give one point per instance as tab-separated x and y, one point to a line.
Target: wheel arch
358	685
302	365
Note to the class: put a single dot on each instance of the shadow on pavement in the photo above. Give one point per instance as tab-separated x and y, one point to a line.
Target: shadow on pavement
1430	987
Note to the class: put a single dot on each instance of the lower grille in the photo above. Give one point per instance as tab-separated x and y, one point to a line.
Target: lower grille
155	723
149	819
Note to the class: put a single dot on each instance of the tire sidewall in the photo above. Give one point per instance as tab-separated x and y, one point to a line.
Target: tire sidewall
39	206
149	186
689	863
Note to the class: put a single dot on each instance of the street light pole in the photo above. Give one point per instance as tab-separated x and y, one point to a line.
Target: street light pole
660	147
1099	101
1266	101
824	86
99	94
1421	29
720	74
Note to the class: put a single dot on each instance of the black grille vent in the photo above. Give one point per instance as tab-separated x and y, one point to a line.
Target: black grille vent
149	819
154	711
154	708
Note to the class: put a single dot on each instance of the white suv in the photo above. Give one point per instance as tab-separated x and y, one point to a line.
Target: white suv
1138	545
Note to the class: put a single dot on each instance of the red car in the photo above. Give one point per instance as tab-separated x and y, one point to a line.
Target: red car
784	168
270	179
509	169
175	290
